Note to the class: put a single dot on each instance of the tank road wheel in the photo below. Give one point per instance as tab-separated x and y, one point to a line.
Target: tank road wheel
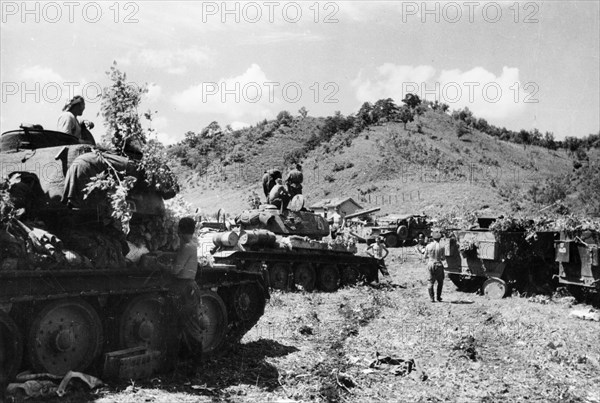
144	322
350	275
279	275
305	276
64	335
248	302
11	348
212	316
392	240
495	288
329	278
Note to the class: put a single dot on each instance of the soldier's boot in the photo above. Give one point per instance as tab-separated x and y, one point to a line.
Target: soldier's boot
439	290
430	289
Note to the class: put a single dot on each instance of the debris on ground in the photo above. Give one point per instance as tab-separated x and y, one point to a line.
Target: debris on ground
586	314
398	366
44	384
466	348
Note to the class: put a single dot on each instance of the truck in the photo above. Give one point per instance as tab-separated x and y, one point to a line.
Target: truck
399	230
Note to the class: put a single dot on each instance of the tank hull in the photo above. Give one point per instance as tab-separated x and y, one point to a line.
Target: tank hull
281	269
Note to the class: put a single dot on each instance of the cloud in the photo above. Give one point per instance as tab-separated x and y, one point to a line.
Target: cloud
40	74
486	94
239	125
245	95
390	81
154	92
174	61
160	122
279	36
359	11
168	138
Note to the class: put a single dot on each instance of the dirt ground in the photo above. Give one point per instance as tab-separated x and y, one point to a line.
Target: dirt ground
324	346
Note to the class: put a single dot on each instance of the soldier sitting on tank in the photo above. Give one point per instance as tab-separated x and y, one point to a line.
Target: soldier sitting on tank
269	180
294	180
68	123
186	289
279	196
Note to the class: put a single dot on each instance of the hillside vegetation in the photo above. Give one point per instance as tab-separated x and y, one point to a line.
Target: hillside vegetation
414	158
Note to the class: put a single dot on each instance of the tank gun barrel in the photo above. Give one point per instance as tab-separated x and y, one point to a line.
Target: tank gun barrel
362	212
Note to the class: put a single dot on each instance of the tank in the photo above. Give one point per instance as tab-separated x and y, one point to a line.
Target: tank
287	246
70	291
496	262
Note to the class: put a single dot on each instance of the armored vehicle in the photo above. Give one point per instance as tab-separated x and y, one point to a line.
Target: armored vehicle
498	261
288	245
70	291
578	261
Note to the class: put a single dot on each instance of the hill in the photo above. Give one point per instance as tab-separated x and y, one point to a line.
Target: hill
423	166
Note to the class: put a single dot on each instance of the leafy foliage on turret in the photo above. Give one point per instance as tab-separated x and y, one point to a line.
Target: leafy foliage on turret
127	136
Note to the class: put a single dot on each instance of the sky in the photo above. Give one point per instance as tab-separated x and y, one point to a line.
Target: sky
521	65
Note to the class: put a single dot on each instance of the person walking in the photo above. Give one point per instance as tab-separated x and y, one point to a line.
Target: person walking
434	253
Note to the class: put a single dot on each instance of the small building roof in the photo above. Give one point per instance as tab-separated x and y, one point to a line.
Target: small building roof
334	202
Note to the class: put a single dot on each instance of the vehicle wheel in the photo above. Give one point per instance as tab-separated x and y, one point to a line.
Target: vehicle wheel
576	291
350	275
212	316
248	303
495	288
64	335
392	240
145	322
465	283
329	278
11	348
279	275
402	232
304	276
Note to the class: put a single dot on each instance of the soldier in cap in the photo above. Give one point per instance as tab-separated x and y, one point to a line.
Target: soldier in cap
269	180
68	120
434	253
279	196
294	180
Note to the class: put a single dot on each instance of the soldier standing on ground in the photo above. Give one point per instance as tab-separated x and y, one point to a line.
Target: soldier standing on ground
294	180
434	253
377	251
336	222
186	289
